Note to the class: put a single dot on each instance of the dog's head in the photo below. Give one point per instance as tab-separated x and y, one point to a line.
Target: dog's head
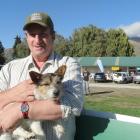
48	85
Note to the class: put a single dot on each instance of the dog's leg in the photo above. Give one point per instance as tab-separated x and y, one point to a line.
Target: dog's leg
23	133
59	130
37	129
6	136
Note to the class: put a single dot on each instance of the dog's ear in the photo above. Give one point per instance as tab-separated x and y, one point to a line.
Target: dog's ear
61	70
35	77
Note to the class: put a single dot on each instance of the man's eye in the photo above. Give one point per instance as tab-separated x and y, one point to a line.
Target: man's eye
40	35
43	34
32	34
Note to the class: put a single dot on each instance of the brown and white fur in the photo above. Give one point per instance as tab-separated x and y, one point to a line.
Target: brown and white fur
48	86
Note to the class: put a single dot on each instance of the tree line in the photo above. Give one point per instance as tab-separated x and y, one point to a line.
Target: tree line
93	41
85	41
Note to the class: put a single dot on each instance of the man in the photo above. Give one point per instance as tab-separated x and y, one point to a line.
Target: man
17	88
86	80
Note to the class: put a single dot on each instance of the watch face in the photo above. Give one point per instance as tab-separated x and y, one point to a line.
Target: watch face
24	107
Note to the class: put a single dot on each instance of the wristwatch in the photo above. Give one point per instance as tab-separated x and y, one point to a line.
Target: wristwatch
24	109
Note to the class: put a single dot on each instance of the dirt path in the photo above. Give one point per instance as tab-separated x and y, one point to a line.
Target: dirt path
112	88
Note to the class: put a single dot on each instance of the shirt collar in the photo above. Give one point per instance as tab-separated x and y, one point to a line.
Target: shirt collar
50	60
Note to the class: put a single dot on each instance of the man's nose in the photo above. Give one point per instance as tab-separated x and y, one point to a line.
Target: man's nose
38	38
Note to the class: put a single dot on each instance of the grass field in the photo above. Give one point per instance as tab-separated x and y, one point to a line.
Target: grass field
121	101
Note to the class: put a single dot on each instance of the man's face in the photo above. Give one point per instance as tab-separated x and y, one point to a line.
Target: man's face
40	41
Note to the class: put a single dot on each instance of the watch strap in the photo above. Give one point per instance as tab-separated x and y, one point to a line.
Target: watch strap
25	115
25	109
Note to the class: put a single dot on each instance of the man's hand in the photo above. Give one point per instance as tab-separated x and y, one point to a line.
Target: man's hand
10	116
23	91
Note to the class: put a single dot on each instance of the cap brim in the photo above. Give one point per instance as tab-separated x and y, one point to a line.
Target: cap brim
28	24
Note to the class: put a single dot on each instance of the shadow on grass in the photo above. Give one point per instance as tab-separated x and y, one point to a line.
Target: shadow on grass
101	92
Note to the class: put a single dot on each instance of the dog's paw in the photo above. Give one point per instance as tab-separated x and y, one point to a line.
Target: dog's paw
59	130
30	136
5	136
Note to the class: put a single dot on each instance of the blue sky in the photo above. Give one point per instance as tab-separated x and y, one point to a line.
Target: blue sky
69	15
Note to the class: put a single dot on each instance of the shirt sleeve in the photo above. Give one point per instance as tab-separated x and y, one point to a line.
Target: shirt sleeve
72	101
4	76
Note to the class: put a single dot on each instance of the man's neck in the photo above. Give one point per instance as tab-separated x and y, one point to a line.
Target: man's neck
40	62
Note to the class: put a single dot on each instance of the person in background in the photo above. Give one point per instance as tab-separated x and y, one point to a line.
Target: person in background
16	87
86	74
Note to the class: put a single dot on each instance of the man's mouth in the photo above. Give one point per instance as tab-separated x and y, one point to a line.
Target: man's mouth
39	47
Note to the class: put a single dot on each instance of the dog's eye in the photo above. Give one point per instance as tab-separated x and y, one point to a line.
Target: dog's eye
58	82
46	84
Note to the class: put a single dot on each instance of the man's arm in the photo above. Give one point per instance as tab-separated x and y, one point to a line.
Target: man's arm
72	101
44	110
11	114
19	93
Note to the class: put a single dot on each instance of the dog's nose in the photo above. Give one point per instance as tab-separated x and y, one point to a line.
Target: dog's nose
56	93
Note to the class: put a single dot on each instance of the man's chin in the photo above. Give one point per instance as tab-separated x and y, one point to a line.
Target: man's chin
40	55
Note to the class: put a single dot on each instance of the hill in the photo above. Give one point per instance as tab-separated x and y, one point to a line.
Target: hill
137	39
136	44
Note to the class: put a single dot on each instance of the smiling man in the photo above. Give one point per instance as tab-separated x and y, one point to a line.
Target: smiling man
16	88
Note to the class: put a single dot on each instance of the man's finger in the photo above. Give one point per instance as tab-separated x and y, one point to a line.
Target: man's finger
30	98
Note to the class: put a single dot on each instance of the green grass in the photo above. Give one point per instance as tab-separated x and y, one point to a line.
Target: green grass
121	103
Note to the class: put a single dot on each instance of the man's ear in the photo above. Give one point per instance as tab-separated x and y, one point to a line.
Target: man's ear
61	70
35	77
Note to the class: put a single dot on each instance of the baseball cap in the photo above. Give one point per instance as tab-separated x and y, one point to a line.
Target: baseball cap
42	19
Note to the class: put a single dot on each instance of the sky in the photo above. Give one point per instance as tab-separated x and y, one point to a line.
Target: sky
69	15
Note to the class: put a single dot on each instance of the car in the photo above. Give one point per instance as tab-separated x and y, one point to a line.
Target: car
99	77
136	78
122	77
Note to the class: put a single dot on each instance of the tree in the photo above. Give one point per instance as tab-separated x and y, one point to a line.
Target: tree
20	48
2	57
118	44
17	41
89	41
